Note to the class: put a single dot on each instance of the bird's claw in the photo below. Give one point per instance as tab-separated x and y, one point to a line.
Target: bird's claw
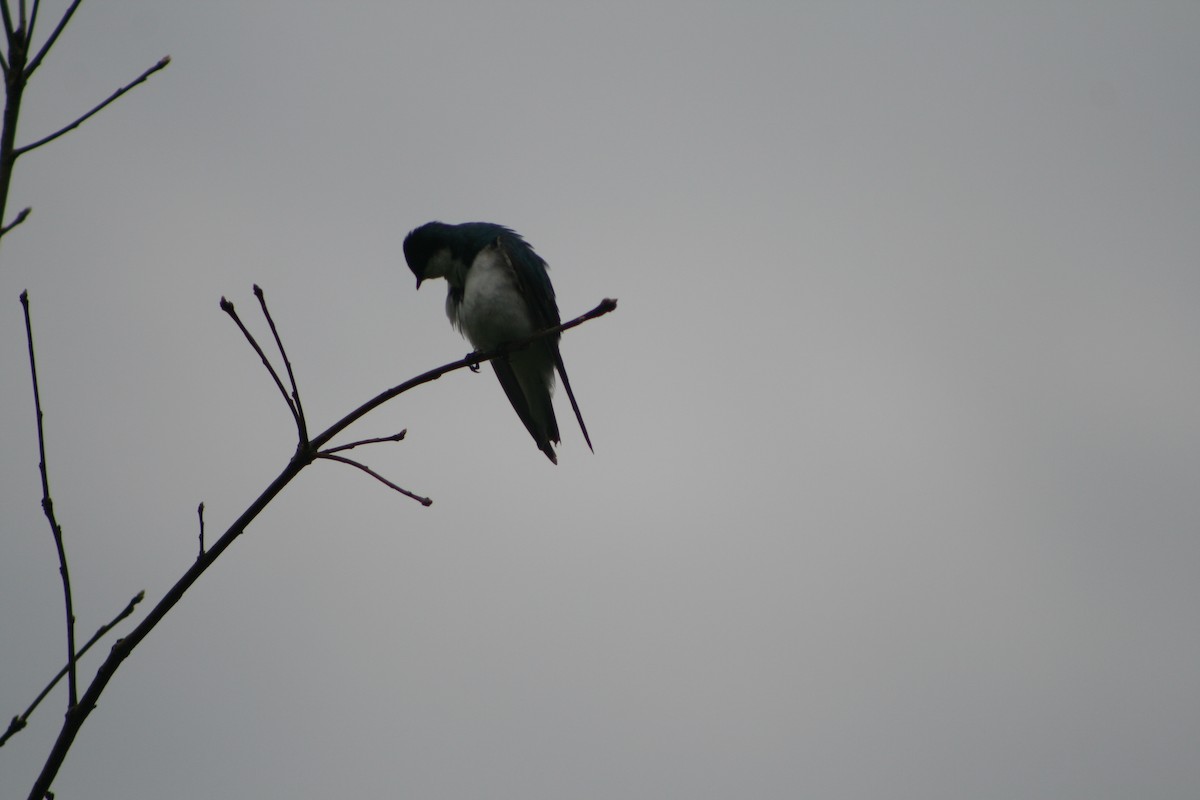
473	367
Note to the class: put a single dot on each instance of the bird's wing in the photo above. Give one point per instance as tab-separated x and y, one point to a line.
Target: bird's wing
454	298
534	284
532	280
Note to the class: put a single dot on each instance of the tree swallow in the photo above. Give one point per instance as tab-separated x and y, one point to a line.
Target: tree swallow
500	292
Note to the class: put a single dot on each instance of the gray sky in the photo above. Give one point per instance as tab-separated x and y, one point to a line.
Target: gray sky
897	443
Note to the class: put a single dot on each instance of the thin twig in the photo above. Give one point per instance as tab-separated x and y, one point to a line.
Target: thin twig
8	26
33	18
425	501
19	722
395	437
112	98
48	508
62	23
200	513
228	308
300	421
21	217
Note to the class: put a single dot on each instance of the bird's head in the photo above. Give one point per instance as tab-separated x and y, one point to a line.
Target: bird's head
438	250
427	251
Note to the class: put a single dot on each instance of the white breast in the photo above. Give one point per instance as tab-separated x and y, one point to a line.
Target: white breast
492	310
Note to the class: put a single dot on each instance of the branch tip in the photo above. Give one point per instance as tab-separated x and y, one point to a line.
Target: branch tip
96	110
21	217
200	514
48	508
425	501
294	404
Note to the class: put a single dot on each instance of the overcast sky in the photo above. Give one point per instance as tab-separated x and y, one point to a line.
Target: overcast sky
897	426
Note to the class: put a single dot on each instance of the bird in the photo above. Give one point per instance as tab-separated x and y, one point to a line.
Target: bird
499	292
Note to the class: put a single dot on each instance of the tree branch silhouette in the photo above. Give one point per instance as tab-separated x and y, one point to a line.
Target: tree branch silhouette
48	509
162	63
18	68
306	453
17	220
293	407
395	437
299	408
425	501
58	29
200	514
19	722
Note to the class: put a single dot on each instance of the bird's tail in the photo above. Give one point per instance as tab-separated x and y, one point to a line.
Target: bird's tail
562	371
530	398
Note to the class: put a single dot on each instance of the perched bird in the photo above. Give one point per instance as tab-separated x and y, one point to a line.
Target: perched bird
500	292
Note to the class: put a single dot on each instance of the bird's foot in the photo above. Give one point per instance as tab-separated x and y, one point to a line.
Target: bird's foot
473	367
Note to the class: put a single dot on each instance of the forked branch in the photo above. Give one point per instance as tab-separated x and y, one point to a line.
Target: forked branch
18	63
304	455
18	722
292	405
162	63
299	407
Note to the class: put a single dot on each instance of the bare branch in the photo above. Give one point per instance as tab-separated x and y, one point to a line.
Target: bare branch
395	437
8	26
200	513
300	421
62	23
304	455
21	217
48	508
228	308
14	89
425	501
19	722
112	98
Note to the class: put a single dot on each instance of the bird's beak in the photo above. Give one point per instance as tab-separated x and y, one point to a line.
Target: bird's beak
418	283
